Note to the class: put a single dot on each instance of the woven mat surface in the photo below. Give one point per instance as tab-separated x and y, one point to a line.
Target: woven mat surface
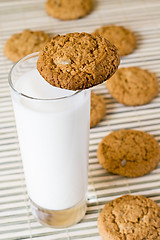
141	16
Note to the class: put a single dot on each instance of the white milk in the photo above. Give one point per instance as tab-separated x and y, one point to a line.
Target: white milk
53	136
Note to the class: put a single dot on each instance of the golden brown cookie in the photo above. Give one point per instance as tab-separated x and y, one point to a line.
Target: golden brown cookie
133	86
121	37
68	9
129	153
21	44
130	218
77	61
98	109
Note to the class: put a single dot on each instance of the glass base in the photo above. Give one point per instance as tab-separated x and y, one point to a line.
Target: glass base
59	218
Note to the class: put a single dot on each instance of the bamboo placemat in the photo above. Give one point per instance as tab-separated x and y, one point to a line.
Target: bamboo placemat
141	16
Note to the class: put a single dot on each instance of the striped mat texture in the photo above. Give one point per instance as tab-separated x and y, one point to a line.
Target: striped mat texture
141	16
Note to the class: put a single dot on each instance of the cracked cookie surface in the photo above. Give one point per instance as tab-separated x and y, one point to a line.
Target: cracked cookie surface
133	86
68	9
98	109
129	153
21	44
77	61
122	38
130	218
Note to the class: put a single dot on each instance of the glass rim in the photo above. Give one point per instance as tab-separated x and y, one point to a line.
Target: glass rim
29	97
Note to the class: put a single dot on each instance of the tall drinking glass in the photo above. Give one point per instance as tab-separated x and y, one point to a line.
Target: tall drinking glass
53	131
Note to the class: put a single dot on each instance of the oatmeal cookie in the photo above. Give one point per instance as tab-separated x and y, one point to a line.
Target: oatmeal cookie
77	61
98	109
130	217
129	153
21	44
68	9
133	86
122	38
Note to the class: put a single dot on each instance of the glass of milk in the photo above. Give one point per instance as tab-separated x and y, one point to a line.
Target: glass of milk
53	130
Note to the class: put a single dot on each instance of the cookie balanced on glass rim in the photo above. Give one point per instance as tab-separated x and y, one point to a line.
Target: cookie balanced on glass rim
77	61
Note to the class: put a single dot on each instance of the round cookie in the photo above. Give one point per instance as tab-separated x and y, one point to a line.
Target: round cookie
130	217
129	153
121	37
133	86
77	61
21	44
98	109
68	9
